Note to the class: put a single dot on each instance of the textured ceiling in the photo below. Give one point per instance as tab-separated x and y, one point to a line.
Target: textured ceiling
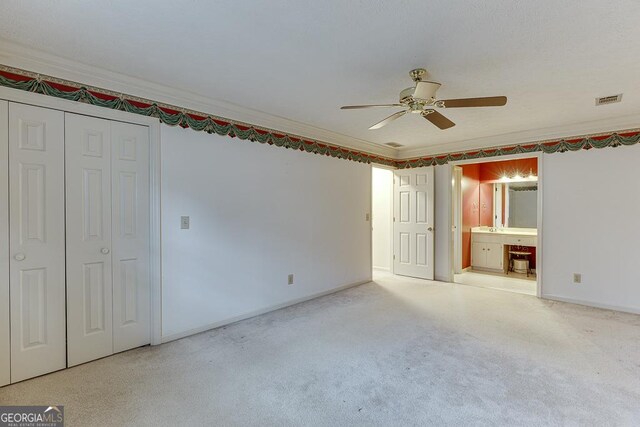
302	60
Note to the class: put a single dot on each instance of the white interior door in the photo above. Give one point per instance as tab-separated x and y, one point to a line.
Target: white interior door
131	219
413	233
89	275
37	245
5	346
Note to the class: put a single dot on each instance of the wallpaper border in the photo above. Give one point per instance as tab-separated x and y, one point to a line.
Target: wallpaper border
176	116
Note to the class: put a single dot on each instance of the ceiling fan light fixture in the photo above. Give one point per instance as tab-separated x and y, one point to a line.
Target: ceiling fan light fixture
421	99
425	91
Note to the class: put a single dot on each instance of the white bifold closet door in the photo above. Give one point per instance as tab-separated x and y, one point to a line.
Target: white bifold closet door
36	241
107	198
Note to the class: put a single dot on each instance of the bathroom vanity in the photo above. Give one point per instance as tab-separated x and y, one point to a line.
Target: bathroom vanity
490	246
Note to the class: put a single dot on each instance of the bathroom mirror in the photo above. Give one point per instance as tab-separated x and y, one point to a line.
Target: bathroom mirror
516	205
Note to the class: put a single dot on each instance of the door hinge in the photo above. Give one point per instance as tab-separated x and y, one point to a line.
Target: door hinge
394	219
394	257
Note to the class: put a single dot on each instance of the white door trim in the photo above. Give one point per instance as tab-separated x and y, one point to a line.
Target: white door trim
457	219
539	246
38	100
5	347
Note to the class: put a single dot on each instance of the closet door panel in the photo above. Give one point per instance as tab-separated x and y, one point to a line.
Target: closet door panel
89	272
5	347
130	186
37	245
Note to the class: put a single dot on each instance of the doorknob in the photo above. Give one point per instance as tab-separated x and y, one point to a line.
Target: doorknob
104	250
430	229
19	257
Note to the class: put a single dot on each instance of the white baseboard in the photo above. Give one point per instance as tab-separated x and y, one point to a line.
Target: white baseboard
251	314
623	309
381	268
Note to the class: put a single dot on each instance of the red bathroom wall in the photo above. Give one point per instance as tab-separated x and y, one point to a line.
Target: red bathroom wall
486	204
470	208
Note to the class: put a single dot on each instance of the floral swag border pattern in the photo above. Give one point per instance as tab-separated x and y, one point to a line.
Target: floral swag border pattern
175	116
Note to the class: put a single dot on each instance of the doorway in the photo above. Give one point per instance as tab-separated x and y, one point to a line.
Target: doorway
381	219
403	222
496	219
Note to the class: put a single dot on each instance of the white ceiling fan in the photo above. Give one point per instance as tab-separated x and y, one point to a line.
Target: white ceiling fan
421	99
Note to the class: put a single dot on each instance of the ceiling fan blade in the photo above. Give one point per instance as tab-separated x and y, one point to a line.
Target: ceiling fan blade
388	119
425	90
354	107
489	101
438	119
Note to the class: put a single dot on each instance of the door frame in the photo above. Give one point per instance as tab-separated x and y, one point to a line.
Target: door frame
155	250
5	310
539	246
456	200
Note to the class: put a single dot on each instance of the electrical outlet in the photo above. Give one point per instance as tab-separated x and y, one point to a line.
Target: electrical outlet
577	278
184	222
290	279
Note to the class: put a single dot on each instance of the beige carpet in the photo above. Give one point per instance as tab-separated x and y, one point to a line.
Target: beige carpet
394	352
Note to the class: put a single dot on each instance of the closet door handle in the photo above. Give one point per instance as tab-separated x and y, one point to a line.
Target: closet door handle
20	257
104	250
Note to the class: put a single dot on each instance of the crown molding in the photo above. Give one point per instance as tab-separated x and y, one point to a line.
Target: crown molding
15	55
524	137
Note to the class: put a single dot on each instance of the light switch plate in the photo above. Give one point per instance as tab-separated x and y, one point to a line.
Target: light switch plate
184	222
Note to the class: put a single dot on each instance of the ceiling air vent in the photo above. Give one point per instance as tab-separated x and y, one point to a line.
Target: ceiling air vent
609	99
394	144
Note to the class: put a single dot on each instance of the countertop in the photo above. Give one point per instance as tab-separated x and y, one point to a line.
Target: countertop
506	231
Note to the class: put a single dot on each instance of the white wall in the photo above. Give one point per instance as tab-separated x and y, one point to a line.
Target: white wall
591	209
257	214
443	176
381	208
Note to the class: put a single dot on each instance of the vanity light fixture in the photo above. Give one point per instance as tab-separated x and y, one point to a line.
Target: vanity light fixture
517	177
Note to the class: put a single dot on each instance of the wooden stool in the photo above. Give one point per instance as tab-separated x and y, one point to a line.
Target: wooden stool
519	254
